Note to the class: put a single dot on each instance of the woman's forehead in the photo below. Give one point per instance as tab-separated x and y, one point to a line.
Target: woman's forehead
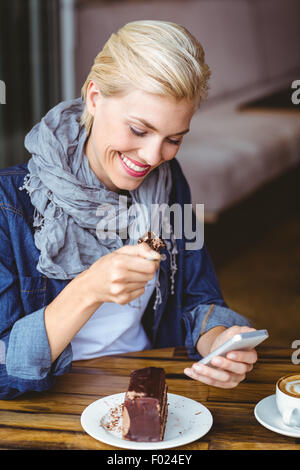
156	110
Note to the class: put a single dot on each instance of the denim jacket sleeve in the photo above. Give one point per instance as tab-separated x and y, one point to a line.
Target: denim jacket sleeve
202	318
25	359
204	307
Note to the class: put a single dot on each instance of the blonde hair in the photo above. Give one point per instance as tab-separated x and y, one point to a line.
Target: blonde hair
157	57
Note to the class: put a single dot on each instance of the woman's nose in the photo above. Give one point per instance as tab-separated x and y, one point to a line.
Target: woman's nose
152	153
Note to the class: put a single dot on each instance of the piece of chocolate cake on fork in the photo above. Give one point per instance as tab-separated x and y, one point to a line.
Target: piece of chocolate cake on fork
145	408
153	241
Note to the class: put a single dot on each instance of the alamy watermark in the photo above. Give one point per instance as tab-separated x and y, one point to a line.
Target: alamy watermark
296	94
123	222
2	352
296	354
2	92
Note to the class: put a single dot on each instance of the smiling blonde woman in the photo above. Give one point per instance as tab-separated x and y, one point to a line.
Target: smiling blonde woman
68	292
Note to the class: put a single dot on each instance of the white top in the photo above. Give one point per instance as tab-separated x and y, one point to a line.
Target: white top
114	329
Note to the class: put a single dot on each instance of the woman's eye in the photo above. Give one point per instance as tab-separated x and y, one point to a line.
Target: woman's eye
174	142
143	133
136	132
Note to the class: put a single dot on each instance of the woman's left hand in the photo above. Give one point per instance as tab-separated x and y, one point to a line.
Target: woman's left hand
228	371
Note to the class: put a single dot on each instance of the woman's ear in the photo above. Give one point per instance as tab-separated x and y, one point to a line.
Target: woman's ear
92	96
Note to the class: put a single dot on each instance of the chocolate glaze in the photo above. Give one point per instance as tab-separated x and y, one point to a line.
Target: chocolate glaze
147	381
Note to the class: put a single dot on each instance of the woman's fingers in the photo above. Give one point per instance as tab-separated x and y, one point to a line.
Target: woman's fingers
214	377
232	366
135	286
130	277
122	275
142	250
136	264
247	357
225	373
229	371
215	374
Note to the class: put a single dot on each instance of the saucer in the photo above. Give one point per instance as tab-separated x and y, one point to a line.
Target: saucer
267	414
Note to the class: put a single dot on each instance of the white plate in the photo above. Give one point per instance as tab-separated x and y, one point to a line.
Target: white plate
187	421
266	412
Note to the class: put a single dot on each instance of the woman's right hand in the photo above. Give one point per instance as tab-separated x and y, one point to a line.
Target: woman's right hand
118	277
121	276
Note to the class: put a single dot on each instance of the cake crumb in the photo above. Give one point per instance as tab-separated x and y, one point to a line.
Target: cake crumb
114	423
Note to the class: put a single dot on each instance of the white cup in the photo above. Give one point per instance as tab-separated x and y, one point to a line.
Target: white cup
288	399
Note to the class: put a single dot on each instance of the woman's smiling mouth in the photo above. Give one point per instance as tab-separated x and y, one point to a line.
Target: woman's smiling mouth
133	168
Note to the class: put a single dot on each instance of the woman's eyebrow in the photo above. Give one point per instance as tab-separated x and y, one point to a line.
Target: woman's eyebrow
147	124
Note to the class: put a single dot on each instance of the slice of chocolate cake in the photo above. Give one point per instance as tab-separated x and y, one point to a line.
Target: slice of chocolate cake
145	407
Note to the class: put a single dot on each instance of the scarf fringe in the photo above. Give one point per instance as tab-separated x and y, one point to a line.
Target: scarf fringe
172	250
38	219
26	184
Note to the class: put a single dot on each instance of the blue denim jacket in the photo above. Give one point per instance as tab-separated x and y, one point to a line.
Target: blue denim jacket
195	307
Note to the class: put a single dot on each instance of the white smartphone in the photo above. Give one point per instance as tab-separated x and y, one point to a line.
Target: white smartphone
240	341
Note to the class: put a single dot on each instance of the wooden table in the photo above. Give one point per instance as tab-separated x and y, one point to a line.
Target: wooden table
51	420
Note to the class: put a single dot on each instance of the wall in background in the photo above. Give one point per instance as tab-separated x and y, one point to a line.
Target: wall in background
248	43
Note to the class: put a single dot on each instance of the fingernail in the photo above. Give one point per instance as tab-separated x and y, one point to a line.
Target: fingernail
217	361
231	356
154	254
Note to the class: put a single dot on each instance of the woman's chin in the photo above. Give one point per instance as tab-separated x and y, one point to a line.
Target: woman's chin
126	182
125	185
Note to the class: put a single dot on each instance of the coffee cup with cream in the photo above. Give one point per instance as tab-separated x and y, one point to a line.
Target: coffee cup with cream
288	399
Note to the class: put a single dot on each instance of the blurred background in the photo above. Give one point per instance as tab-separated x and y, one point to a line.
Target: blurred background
242	155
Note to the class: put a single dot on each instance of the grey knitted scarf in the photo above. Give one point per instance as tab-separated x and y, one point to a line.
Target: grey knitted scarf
68	199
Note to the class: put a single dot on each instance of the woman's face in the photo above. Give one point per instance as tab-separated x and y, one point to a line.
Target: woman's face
133	134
